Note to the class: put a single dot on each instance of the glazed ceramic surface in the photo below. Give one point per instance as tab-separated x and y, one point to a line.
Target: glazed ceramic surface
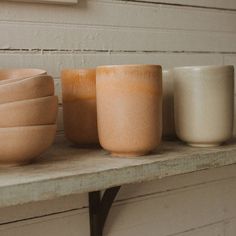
29	88
39	111
204	104
129	106
79	105
22	144
168	105
11	75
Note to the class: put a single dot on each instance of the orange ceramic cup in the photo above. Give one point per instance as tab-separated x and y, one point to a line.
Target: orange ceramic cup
129	108
79	105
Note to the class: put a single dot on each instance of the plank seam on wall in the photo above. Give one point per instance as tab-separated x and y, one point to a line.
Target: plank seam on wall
180	5
201	227
114	27
168	4
43	216
130	200
82	211
169	192
153	16
84	51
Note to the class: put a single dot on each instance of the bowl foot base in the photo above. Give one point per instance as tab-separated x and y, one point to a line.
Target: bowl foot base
204	144
128	154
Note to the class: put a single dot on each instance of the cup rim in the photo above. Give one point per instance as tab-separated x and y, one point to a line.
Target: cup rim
78	69
128	66
203	67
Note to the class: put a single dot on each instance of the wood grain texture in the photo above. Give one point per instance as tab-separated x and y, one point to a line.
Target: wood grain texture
221	4
119	14
54	62
114	39
128	193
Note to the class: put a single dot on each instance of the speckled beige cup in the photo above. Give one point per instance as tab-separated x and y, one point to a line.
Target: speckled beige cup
79	105
204	104
168	105
129	107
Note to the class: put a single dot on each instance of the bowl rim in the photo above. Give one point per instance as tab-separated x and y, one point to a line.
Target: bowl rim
203	67
11	71
29	101
15	81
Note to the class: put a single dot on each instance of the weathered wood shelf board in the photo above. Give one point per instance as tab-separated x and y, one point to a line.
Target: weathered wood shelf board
66	170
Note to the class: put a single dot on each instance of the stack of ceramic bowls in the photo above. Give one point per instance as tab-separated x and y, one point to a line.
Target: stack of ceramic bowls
28	110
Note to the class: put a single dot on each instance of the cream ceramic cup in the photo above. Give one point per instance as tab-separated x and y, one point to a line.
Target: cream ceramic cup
168	105
129	108
204	104
79	105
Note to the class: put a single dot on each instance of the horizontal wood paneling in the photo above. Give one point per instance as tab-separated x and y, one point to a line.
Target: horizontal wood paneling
120	14
55	62
182	207
127	194
112	39
230	227
216	229
221	4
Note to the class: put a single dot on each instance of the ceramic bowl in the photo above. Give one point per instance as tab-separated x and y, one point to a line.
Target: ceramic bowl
11	75
168	105
20	145
39	111
129	108
79	105
204	104
29	88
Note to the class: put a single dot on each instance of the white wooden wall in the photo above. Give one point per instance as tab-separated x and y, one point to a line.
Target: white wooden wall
197	204
96	32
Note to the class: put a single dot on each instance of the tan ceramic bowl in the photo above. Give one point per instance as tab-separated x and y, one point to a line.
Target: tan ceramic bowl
29	88
79	105
20	145
11	75
39	111
129	108
204	104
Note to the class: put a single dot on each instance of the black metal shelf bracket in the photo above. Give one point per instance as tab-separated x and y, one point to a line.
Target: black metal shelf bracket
99	208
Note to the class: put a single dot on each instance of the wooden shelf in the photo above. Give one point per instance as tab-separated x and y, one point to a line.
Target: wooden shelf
66	170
